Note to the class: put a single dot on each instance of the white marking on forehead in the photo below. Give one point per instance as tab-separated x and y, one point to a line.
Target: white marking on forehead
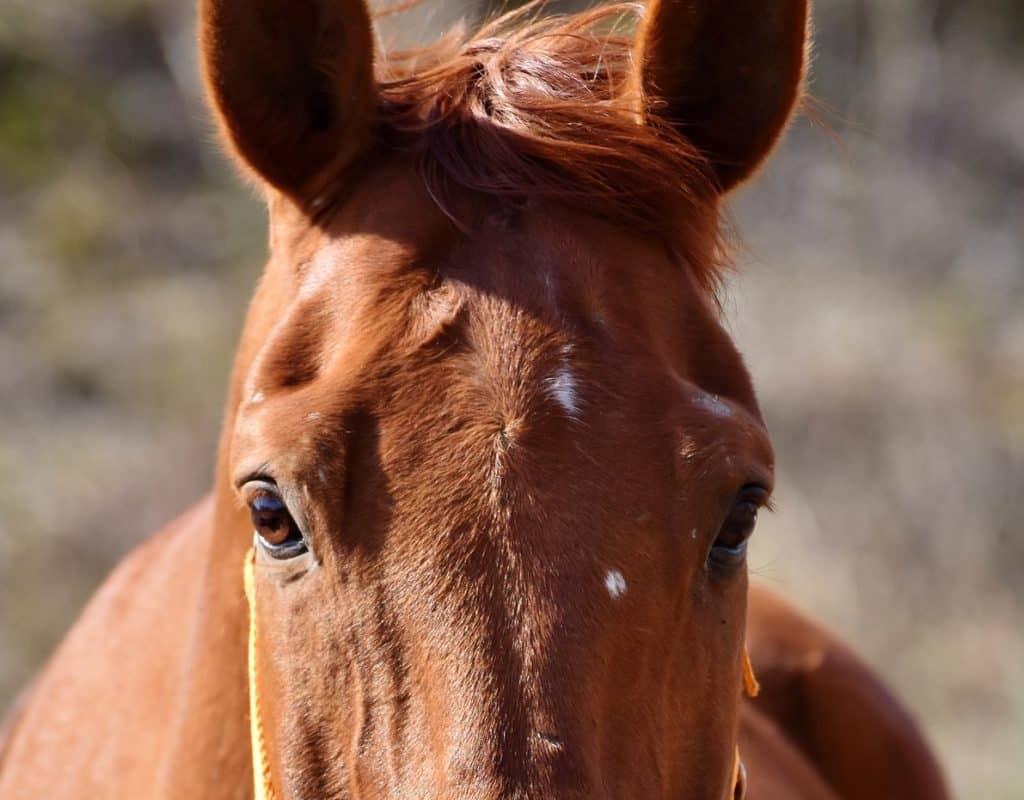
615	583
562	386
257	397
713	404
312	416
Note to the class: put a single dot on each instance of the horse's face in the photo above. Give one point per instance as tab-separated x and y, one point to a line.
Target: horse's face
502	473
523	494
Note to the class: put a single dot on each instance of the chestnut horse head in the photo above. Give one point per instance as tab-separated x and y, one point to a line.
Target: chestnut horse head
501	456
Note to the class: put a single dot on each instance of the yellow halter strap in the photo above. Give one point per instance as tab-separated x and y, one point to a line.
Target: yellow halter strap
751	688
264	787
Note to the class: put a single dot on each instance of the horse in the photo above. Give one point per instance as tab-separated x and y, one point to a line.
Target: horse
490	461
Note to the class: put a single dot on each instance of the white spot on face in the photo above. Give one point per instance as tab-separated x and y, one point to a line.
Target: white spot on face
257	397
712	404
562	386
312	416
615	583
693	533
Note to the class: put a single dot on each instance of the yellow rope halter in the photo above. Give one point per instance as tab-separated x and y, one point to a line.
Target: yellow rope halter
262	783
264	787
751	688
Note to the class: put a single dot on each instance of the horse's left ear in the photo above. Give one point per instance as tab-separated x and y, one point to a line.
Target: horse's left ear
292	82
726	73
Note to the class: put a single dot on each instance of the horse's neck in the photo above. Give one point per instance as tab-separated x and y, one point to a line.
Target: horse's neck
146	696
209	751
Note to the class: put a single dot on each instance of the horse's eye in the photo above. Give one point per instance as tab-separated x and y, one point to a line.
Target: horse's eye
730	547
274	526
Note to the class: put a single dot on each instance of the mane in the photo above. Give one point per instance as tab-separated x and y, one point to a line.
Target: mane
545	108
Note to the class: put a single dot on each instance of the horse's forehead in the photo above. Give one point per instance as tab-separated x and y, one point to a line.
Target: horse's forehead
540	302
551	286
544	259
538	294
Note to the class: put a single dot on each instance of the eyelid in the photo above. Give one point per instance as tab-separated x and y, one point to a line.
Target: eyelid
257	474
755	493
249	487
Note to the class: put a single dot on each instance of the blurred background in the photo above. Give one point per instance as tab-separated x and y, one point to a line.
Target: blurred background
880	304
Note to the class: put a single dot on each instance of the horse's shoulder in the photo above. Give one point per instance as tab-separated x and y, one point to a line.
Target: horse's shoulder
776	768
835	709
105	696
9	722
160	560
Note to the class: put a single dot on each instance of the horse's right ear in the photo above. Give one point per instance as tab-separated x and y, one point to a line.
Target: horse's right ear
292	83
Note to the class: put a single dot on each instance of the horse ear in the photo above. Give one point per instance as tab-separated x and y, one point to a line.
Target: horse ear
292	84
726	73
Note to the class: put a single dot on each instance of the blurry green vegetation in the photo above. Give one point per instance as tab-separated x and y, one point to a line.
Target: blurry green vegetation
881	308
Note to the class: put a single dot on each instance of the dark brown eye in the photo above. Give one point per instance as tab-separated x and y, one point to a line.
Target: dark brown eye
275	529
730	547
